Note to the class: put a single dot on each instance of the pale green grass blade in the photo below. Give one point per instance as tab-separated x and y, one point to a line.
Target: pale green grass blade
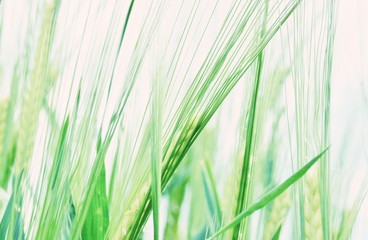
212	197
271	195
113	174
176	199
346	226
349	216
325	184
198	210
55	172
156	150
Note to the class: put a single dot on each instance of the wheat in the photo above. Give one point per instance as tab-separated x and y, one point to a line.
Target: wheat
34	93
180	143
130	214
277	216
312	208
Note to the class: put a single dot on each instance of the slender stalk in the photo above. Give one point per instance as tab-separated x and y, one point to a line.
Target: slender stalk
245	180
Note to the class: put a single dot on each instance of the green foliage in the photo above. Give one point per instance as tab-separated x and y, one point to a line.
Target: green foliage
270	196
197	109
97	219
277	233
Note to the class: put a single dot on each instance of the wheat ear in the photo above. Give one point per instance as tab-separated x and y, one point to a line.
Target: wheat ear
278	214
312	208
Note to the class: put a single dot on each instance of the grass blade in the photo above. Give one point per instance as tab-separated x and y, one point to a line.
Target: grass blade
277	233
245	180
11	225
212	197
6	218
97	219
271	195
277	215
156	153
176	200
56	189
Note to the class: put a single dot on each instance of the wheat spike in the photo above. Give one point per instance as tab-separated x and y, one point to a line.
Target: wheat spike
277	216
33	94
312	208
173	152
130	214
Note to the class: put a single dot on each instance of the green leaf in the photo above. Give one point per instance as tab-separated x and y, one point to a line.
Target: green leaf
212	197
60	152
156	151
97	219
7	155
11	225
6	218
270	196
245	180
176	199
6	168
277	233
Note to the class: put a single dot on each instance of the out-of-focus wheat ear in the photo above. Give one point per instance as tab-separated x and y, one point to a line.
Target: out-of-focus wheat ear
278	214
270	195
3	114
134	211
169	164
32	96
34	92
349	215
176	199
177	148
131	213
7	144
3	111
312	207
